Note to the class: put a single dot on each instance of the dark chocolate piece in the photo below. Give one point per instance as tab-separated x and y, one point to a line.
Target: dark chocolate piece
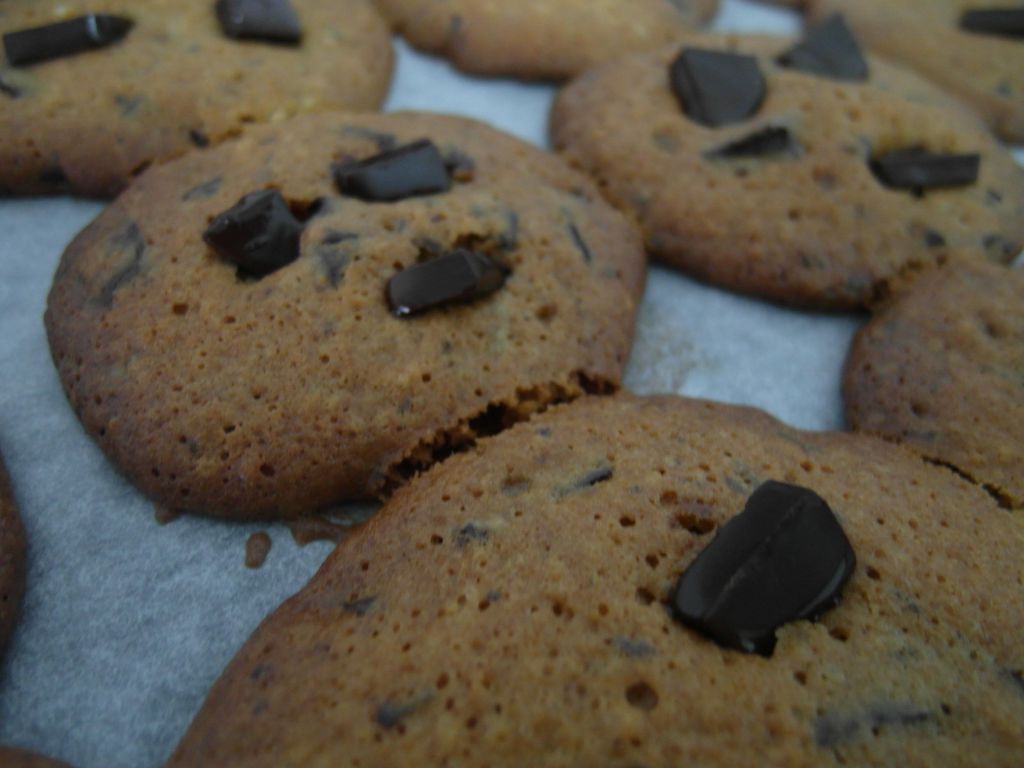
1005	22
580	243
409	171
259	234
65	38
716	88
830	50
918	170
129	241
471	533
770	141
9	89
203	191
784	558
273	20
359	607
455	277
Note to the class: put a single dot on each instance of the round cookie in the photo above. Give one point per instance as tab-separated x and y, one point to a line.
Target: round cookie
88	123
941	369
11	757
985	70
507	608
12	560
807	223
538	39
273	397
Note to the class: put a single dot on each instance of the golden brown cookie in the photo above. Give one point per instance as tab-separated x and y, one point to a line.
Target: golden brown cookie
10	757
538	39
986	70
219	392
941	369
802	218
89	122
507	608
12	560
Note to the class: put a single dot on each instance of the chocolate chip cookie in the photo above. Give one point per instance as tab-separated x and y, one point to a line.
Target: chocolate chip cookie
93	92
12	560
518	605
537	39
955	43
320	309
941	369
798	171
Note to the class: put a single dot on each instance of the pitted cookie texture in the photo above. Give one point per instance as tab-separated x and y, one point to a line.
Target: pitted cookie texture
941	369
219	391
538	39
90	122
786	204
507	608
985	70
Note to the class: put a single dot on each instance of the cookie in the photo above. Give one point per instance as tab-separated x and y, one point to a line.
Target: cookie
11	757
509	608
984	68
534	38
12	560
789	199
172	78
297	357
941	369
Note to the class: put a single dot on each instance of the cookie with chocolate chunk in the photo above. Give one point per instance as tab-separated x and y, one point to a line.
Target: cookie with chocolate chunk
319	309
92	92
941	369
517	606
12	560
800	171
538	39
961	45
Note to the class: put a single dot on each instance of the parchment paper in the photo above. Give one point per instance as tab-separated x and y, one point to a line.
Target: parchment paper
127	623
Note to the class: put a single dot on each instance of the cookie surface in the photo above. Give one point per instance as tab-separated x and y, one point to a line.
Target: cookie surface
12	560
11	757
274	396
89	122
507	608
987	71
539	39
807	223
942	370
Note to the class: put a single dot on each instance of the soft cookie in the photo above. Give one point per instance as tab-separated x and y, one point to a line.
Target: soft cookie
93	91
960	45
12	560
524	604
801	172
320	309
537	38
941	369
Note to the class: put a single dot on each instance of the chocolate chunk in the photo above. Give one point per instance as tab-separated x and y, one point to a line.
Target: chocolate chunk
259	234
716	88
784	558
390	713
333	252
1005	22
456	277
918	170
273	20
934	239
409	171
634	649
198	138
127	241
829	50
52	41
581	244
471	533
770	141
832	730
203	191
359	607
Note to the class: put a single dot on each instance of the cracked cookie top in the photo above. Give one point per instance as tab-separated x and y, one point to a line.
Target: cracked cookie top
514	606
372	294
